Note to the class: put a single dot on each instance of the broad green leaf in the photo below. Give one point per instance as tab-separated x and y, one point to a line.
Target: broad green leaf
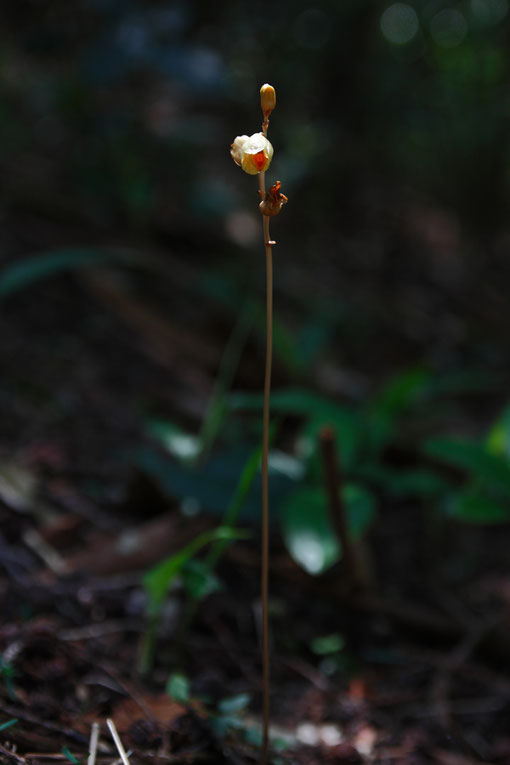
474	506
212	485
308	530
474	459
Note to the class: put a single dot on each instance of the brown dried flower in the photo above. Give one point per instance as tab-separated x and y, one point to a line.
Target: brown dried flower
272	204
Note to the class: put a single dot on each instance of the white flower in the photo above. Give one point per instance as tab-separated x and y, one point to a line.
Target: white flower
253	153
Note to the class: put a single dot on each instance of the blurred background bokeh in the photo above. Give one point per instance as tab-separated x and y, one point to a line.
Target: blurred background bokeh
119	199
132	337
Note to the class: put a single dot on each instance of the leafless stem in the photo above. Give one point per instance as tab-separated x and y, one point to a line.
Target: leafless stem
265	481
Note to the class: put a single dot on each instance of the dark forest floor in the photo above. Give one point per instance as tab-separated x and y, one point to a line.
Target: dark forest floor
423	671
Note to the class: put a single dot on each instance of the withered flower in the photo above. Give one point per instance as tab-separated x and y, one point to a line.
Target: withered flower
274	200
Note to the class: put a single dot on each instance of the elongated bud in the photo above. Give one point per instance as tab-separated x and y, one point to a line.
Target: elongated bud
274	200
267	99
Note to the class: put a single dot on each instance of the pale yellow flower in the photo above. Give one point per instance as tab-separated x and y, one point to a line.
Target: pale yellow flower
253	153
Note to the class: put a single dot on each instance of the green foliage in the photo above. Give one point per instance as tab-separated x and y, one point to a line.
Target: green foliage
35	267
327	644
317	411
308	532
8	673
69	756
230	718
399	395
198	578
8	724
364	433
478	505
498	440
159	579
308	529
178	688
475	459
485	495
367	432
234	704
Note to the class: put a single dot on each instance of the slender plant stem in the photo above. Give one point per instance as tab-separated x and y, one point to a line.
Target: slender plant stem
265	500
264	588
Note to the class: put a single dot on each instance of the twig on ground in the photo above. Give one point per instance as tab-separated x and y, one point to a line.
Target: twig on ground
117	741
94	738
12	756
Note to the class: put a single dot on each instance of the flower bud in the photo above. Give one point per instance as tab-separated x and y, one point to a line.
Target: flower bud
253	153
274	200
267	99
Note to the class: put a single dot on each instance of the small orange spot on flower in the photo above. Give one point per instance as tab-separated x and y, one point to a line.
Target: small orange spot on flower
259	160
252	153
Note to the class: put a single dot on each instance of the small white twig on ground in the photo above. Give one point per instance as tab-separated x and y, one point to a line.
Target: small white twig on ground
118	743
94	737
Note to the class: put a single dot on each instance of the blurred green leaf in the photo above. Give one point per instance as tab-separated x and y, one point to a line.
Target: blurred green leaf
318	411
397	396
474	459
177	687
327	644
462	381
8	724
308	530
69	756
360	508
234	704
498	440
198	580
159	579
475	506
405	482
23	273
213	483
174	439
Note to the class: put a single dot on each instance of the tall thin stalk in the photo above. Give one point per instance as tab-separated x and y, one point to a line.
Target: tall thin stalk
264	584
254	154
